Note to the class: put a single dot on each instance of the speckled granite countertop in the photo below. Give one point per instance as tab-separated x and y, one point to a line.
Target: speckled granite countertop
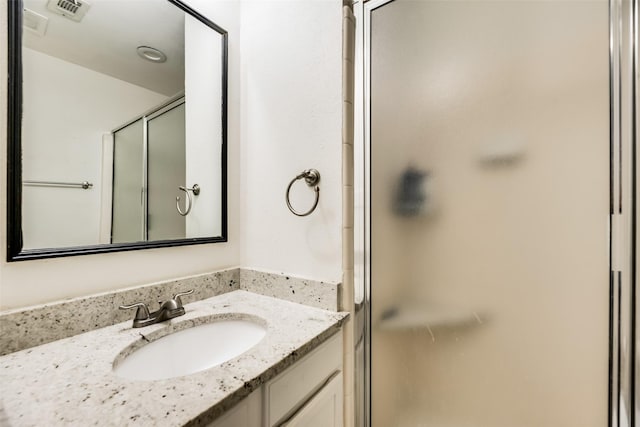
71	382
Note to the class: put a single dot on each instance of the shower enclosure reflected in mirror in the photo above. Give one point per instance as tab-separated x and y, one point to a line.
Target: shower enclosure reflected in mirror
117	127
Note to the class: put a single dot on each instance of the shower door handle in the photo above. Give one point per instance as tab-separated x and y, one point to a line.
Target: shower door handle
195	190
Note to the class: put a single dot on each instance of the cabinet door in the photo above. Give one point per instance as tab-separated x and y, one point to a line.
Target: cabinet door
247	413
323	410
286	393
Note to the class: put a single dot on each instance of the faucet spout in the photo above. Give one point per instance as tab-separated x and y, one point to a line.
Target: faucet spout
168	310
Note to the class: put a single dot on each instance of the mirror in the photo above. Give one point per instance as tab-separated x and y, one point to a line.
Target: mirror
117	127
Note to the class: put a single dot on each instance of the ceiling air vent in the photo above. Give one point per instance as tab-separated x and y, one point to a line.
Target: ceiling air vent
72	9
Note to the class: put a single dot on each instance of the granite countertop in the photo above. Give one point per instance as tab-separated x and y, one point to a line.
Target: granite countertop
71	382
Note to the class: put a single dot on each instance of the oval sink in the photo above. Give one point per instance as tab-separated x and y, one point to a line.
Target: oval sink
191	350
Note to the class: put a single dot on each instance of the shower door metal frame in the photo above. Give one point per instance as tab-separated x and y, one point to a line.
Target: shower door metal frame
624	326
623	58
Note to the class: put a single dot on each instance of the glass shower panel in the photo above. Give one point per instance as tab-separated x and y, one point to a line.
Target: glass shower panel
489	213
166	172
127	220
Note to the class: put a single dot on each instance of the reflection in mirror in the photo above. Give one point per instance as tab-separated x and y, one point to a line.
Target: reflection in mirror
123	113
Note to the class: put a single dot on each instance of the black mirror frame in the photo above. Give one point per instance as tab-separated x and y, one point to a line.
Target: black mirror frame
14	152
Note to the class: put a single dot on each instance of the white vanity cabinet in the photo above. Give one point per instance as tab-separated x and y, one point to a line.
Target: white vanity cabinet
315	382
246	413
308	394
324	409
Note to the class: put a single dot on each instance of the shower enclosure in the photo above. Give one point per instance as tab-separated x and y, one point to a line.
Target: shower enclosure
495	213
149	166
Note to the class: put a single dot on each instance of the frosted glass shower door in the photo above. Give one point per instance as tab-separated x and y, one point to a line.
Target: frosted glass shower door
128	208
489	177
165	174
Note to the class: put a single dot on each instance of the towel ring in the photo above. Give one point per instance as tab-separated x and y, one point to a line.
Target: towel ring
195	190
311	177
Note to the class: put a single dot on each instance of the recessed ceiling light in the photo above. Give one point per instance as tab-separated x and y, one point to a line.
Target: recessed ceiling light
151	54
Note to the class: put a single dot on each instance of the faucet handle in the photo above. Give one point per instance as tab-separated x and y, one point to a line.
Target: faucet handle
177	296
141	314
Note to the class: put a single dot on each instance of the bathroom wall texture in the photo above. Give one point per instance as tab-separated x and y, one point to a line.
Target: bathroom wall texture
32	282
62	142
291	121
285	59
200	89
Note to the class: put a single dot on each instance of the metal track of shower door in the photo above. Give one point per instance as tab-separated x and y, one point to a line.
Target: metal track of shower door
623	27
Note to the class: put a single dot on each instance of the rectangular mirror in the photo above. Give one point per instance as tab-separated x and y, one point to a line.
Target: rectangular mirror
117	127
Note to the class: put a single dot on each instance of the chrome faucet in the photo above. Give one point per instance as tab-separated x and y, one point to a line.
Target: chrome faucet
168	310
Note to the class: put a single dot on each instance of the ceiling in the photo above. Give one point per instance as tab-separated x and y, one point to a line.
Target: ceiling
107	37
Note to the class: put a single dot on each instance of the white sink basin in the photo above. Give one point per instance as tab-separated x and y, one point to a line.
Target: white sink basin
191	350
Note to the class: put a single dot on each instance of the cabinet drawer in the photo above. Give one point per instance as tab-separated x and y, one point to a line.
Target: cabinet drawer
296	385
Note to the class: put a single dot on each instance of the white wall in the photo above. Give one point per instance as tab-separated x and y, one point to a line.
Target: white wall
203	127
291	120
31	282
66	110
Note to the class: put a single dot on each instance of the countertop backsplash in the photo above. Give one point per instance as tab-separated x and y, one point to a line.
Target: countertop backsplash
295	289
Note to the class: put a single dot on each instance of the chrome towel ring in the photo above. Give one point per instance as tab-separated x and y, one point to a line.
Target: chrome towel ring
195	190
311	177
